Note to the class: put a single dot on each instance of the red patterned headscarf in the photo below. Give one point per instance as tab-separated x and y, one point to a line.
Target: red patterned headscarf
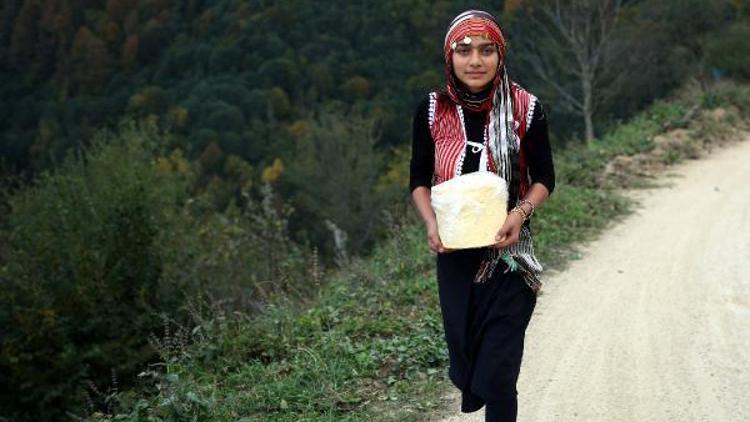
473	23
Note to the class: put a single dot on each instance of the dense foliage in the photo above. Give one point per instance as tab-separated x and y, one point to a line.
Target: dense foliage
83	273
239	83
99	251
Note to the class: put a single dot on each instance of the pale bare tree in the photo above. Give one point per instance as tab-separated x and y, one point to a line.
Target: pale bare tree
568	44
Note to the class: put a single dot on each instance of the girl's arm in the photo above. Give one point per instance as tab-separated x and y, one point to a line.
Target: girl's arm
509	233
536	147
421	199
421	172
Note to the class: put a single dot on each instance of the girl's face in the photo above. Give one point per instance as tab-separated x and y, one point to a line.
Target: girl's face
475	64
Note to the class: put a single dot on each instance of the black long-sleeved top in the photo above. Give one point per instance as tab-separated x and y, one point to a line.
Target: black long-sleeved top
535	145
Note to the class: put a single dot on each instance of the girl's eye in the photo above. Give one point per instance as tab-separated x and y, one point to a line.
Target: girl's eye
463	51
488	51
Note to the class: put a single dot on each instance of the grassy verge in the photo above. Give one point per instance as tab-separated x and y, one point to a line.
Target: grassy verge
371	345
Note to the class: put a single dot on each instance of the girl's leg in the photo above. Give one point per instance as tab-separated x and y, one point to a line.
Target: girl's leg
501	349
505	410
470	402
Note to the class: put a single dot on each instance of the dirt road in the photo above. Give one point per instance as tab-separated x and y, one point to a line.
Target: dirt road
653	323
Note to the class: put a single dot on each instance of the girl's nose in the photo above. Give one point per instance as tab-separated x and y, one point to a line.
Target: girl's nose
475	57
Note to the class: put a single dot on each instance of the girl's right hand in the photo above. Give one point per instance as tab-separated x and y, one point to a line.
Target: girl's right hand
433	240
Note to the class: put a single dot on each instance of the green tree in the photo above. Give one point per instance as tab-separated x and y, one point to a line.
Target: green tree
279	104
91	61
81	275
332	173
23	41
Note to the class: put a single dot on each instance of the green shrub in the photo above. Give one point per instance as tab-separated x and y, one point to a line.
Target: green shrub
81	272
335	169
242	257
95	254
728	49
728	94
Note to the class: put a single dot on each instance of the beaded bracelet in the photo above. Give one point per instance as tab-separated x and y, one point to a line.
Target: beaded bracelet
519	210
526	201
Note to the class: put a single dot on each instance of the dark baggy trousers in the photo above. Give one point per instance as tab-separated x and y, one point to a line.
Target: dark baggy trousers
485	326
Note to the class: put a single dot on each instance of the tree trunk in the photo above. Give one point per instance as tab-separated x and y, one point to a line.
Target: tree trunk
588	121
588	106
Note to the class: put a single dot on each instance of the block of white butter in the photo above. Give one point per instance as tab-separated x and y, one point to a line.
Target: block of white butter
470	209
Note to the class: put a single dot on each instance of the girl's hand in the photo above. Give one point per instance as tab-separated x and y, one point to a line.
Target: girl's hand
433	239
511	230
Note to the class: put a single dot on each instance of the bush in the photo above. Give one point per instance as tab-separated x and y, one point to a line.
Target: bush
97	253
242	257
333	172
727	94
728	49
81	272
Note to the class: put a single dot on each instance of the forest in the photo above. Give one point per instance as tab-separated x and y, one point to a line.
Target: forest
158	157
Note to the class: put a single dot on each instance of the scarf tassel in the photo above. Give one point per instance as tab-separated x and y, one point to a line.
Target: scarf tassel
493	257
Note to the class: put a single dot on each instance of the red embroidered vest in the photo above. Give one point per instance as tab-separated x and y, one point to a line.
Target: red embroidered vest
449	134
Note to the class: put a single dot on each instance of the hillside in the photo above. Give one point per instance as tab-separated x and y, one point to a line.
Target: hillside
370	346
243	86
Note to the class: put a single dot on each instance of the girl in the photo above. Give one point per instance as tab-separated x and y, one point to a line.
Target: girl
482	121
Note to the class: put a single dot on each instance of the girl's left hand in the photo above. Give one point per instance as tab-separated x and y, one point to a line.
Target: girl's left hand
510	231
